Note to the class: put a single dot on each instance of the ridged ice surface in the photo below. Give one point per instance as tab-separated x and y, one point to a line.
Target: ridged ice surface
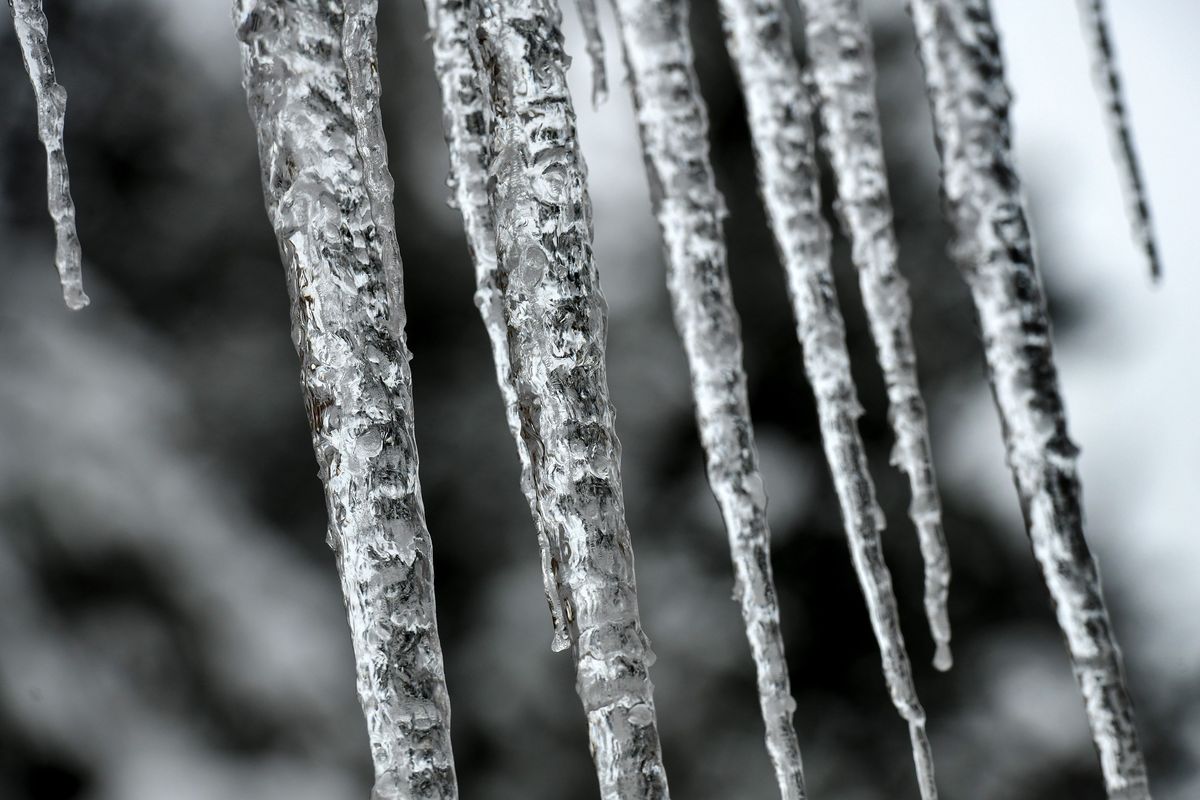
960	49
590	19
51	100
842	66
1108	83
782	133
312	88
467	122
557	323
673	123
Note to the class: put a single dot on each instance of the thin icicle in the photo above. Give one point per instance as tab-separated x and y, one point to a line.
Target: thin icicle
595	47
1108	83
673	123
557	323
960	49
841	62
466	119
313	95
51	99
780	116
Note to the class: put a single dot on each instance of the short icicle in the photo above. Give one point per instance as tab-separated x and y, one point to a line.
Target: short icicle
842	66
1108	84
312	90
466	119
51	100
780	117
557	324
673	123
590	20
960	48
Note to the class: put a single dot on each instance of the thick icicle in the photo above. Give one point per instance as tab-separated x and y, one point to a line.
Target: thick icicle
960	48
557	324
313	96
466	118
51	99
590	21
673	122
782	133
1108	84
843	71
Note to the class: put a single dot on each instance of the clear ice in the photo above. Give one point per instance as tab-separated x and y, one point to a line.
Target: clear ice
313	92
960	49
595	48
841	64
673	123
51	100
780	116
1108	83
556	321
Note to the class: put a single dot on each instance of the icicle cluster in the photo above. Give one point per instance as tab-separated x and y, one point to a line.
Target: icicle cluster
466	119
309	74
781	130
673	123
1108	84
843	71
557	323
51	99
960	49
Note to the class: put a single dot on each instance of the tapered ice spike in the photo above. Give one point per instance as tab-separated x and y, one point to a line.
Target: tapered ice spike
1094	19
311	81
590	20
466	102
781	130
964	72
557	321
51	100
841	63
673	123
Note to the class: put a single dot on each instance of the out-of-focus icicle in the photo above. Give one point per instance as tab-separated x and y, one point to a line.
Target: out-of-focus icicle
841	63
964	71
557	324
780	116
1108	84
595	47
673	122
466	119
51	99
309	74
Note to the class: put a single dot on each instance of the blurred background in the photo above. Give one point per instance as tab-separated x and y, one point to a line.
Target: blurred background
170	620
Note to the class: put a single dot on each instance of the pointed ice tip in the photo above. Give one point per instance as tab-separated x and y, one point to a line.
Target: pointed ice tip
943	660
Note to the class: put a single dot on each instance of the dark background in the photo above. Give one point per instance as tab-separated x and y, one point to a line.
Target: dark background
170	622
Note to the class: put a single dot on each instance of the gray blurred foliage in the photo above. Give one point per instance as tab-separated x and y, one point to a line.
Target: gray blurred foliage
170	621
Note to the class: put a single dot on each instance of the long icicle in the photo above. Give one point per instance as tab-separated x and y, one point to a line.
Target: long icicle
557	325
960	48
466	119
1108	84
51	100
590	20
673	123
308	73
841	63
782	133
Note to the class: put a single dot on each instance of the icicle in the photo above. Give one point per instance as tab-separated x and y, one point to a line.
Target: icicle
313	96
781	130
51	99
960	49
595	47
557	322
466	118
1108	84
843	71
673	123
